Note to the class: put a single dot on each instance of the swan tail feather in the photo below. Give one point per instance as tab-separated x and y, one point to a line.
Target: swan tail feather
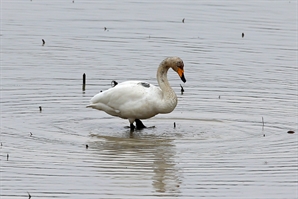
90	106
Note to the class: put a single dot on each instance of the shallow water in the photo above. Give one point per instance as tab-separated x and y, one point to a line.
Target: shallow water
219	148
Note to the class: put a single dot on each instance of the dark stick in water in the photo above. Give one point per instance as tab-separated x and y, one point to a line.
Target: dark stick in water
84	82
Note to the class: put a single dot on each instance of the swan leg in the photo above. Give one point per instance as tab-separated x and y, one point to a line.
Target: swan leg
139	124
132	127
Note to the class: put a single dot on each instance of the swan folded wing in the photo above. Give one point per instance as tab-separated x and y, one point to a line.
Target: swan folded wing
131	99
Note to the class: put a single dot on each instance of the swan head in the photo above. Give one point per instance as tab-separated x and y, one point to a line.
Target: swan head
177	65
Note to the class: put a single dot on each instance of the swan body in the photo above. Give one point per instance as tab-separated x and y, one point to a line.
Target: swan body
135	100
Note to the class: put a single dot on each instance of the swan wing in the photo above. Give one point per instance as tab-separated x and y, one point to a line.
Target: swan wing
130	99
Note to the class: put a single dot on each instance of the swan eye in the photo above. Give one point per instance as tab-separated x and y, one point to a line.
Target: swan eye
180	64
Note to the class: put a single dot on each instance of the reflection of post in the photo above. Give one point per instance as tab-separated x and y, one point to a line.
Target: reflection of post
136	159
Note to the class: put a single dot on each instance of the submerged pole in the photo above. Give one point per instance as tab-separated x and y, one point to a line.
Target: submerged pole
84	82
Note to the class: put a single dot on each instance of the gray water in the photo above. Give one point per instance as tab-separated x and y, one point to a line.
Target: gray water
219	148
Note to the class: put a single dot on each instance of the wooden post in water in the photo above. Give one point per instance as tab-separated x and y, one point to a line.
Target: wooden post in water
84	82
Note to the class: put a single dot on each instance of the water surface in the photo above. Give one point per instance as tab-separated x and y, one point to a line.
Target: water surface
219	148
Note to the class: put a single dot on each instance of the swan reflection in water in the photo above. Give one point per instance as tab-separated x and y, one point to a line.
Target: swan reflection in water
134	163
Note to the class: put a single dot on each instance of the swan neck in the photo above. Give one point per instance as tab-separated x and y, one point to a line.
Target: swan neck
162	77
169	100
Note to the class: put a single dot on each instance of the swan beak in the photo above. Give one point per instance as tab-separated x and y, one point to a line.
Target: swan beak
181	74
183	78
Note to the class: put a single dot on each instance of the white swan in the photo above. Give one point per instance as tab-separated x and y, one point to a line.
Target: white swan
135	100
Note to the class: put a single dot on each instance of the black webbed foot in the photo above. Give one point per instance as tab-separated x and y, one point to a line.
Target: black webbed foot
139	124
